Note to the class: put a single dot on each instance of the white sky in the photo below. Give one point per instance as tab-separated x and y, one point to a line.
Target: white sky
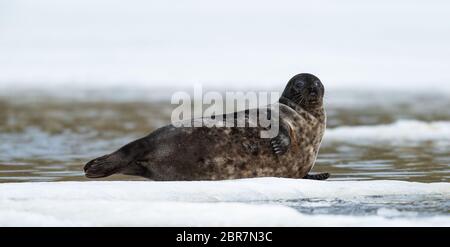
224	43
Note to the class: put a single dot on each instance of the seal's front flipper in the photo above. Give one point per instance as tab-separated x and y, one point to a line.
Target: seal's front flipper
281	143
320	176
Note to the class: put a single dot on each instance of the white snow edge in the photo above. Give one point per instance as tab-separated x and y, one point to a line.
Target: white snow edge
240	190
400	131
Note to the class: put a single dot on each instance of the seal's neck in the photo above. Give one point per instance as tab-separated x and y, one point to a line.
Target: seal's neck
317	111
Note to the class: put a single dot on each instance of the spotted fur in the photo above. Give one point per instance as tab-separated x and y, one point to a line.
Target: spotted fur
201	153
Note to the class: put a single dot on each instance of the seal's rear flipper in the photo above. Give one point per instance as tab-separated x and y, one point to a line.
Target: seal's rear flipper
103	166
320	176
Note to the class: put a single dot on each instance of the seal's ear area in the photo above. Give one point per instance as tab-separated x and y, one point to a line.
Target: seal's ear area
102	167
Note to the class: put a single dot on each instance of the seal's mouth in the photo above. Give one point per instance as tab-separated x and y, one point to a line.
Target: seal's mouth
101	167
314	101
313	97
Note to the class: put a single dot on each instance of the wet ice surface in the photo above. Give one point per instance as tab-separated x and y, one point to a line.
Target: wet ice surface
382	205
370	136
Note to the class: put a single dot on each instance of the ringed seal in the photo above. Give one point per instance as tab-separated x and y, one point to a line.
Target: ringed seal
202	153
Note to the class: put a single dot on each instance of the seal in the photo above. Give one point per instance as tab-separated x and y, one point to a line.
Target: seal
217	153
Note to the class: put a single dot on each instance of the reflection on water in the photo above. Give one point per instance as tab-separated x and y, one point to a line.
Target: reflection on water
50	138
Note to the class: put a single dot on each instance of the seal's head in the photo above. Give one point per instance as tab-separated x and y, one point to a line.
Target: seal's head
305	90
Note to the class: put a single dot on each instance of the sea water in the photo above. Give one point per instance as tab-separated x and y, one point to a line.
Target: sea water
388	154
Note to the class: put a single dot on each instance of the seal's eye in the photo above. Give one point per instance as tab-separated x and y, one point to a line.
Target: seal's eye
299	84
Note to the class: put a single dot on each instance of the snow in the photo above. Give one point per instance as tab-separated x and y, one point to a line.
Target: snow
144	213
242	190
402	131
201	203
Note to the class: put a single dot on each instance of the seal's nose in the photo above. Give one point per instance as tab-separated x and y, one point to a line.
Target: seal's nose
313	92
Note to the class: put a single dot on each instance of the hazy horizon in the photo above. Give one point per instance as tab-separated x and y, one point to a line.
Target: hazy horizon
102	44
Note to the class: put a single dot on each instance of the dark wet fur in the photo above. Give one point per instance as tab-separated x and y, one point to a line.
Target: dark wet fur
202	153
320	176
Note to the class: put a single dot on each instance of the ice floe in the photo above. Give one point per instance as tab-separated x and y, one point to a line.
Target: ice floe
244	202
401	131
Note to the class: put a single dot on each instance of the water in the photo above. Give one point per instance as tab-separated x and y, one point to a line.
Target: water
389	206
48	137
